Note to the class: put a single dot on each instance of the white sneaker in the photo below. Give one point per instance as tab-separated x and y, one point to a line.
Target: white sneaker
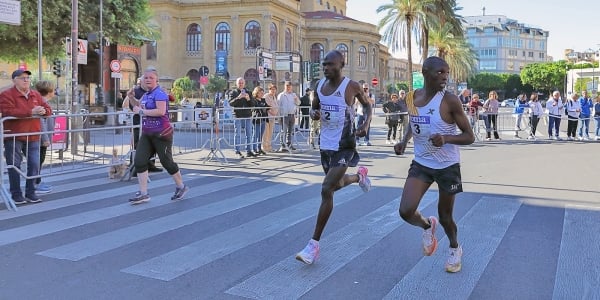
587	138
388	142
454	262
597	138
580	138
310	253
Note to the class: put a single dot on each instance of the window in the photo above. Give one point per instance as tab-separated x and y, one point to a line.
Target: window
362	57
488	30
492	42
194	38
487	65
542	55
328	6
222	36
317	51
334	9
530	54
288	39
344	49
252	35
542	45
274	36
341	12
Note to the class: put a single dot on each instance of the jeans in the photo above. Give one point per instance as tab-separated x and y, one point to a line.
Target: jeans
14	151
257	135
553	122
287	129
585	121
237	138
597	119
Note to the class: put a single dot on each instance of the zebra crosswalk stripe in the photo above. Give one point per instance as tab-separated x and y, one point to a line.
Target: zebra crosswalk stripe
578	268
480	232
34	230
190	257
114	239
339	248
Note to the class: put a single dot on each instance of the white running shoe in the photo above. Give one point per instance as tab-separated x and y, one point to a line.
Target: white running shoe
454	262
310	253
363	180
388	142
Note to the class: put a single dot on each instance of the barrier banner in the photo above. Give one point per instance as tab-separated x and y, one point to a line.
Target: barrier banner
59	139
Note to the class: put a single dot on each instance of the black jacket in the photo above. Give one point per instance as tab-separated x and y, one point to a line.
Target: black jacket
241	106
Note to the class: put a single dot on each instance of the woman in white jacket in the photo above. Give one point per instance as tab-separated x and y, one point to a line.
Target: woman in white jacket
573	111
535	113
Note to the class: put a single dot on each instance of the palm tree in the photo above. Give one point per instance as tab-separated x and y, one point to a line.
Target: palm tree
444	13
456	51
401	19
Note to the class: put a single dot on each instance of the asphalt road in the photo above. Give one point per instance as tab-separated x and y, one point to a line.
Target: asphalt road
528	224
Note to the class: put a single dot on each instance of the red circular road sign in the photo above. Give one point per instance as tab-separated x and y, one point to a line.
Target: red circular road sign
115	66
374	81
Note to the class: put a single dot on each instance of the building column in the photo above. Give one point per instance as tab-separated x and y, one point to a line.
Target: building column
265	34
236	49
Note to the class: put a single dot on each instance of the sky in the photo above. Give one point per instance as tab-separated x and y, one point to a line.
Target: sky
571	24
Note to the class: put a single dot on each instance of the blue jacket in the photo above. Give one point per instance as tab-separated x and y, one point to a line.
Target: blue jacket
520	106
586	107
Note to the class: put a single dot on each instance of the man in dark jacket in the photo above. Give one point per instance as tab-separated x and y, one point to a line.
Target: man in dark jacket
304	109
242	105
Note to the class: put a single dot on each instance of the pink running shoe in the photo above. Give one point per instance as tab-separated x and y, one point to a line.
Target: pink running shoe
363	180
429	239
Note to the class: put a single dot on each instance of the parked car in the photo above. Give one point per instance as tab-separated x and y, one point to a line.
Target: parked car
508	103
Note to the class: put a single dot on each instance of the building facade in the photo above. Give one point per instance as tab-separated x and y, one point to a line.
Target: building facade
504	45
226	36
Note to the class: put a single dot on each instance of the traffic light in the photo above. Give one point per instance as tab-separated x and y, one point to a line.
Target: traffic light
268	73
57	68
315	70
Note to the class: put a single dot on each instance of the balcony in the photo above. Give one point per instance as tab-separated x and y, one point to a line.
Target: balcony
249	52
191	53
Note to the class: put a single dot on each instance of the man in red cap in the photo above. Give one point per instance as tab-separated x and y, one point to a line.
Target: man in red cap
26	105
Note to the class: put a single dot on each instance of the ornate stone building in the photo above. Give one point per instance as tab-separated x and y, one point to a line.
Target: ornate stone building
224	36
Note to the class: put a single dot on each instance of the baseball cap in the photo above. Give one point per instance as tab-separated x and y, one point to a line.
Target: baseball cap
18	73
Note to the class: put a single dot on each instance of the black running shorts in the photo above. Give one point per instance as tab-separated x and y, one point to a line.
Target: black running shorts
448	179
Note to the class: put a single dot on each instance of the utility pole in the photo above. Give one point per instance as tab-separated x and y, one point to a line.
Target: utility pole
74	53
40	40
101	79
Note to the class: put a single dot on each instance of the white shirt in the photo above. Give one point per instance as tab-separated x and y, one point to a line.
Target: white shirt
287	103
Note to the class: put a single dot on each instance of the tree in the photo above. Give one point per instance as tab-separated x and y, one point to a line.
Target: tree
455	50
401	19
444	14
124	22
486	82
216	84
548	76
182	88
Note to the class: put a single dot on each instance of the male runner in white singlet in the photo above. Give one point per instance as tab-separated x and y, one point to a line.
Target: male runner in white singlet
434	115
332	104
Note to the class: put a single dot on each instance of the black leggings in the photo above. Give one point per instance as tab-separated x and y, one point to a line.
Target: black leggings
150	144
392	128
534	122
572	127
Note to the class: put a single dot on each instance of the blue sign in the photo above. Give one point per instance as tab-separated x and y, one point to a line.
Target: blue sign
221	68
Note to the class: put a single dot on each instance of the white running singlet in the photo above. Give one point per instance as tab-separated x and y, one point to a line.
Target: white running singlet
426	122
337	118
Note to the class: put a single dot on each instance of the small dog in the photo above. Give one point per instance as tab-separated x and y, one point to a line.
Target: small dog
117	167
